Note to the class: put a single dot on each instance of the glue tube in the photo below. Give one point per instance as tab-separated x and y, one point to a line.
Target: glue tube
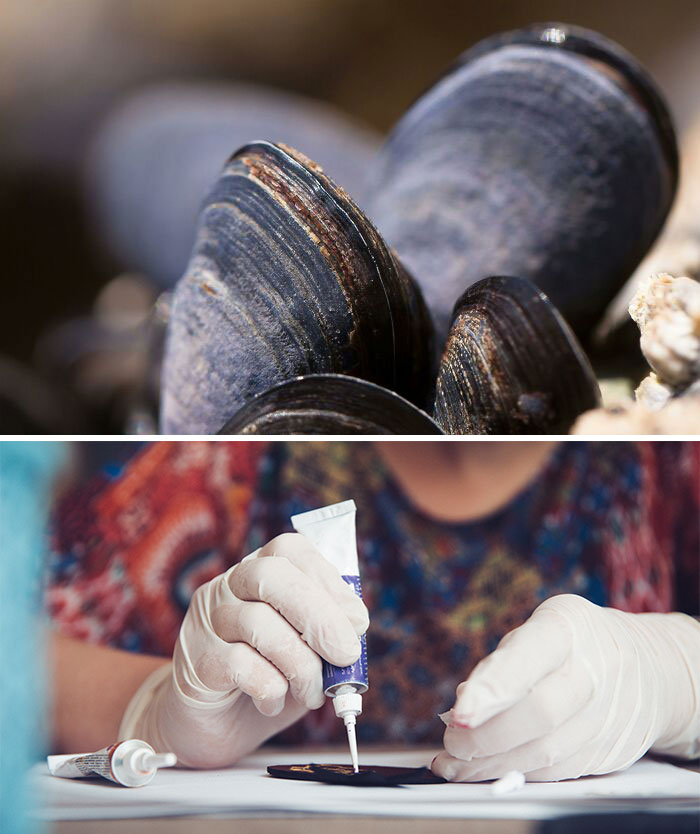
129	763
332	530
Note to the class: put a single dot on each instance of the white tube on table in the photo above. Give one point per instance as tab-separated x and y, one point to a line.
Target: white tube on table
129	763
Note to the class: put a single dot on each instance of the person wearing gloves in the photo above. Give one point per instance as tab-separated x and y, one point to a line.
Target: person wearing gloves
538	581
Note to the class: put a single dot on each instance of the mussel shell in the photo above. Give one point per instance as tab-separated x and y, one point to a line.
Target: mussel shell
159	151
596	47
511	364
329	404
545	152
287	278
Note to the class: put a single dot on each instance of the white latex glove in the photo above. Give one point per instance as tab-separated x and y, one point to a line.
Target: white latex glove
575	690
247	662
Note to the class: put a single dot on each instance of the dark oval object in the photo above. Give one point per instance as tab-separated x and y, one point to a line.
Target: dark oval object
379	776
287	278
545	152
329	404
511	364
160	150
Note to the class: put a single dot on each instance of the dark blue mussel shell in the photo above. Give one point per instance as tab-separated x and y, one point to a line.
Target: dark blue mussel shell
329	404
159	151
287	278
511	364
545	152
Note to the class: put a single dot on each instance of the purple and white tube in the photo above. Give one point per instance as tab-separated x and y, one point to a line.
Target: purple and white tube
332	530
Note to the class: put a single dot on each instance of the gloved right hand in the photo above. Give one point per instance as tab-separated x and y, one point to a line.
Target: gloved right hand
247	662
576	690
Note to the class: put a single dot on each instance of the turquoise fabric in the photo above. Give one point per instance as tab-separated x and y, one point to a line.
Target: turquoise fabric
27	473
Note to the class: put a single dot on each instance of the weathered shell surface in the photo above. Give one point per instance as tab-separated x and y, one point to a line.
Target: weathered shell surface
329	404
287	278
511	365
160	151
545	153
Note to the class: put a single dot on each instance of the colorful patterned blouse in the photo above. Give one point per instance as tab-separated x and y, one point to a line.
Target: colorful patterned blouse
616	522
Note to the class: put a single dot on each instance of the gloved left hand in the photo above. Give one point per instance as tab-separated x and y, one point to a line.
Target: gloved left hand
577	689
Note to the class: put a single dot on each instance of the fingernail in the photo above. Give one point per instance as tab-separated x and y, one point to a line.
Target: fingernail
470	709
452	719
464	722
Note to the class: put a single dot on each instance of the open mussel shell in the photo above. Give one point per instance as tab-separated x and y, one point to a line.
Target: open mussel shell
329	404
511	364
545	152
287	278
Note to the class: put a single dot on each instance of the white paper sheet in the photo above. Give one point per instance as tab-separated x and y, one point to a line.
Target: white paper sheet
247	791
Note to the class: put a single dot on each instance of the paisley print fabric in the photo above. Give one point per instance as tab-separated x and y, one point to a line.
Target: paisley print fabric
617	523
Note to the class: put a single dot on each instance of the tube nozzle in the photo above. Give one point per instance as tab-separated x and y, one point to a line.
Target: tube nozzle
352	741
155	760
347	703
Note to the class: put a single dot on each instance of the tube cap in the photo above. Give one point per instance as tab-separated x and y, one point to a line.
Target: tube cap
347	703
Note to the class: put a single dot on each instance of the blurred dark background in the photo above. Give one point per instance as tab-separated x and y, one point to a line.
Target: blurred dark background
63	66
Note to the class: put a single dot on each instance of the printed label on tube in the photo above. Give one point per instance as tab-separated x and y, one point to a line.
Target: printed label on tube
84	764
334	676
